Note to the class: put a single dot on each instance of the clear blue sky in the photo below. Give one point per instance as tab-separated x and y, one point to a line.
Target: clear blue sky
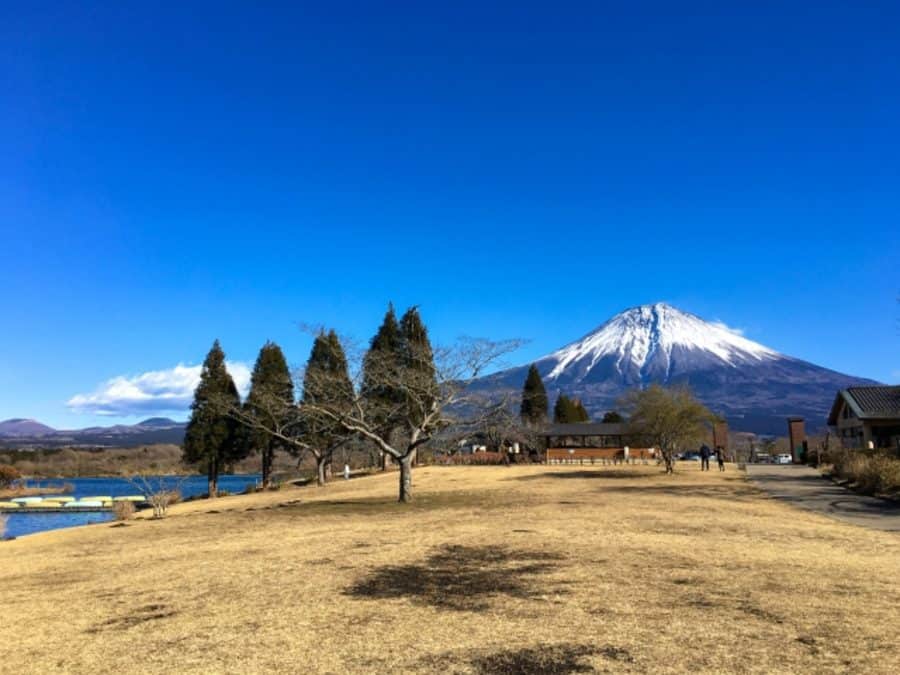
173	174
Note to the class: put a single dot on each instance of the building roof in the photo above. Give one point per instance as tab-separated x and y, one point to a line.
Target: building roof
868	403
585	429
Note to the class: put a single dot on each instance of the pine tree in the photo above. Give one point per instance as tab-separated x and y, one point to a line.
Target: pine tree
418	374
326	384
563	410
212	439
381	391
612	417
271	399
569	411
533	410
580	413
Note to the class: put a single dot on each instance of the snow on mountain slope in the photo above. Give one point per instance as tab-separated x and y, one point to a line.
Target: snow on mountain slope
754	386
650	334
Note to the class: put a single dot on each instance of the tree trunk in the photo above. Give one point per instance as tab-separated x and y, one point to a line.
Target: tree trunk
406	479
384	461
669	460
266	467
320	471
213	480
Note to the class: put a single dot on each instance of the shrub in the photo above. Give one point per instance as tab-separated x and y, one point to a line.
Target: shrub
872	473
161	501
8	475
123	510
476	459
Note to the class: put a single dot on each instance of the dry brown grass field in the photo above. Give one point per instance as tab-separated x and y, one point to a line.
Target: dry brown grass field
490	570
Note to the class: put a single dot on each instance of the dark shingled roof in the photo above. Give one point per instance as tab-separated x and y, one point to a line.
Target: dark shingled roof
877	401
869	402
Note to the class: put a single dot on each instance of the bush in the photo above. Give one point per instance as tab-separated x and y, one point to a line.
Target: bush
476	459
123	510
871	473
8	475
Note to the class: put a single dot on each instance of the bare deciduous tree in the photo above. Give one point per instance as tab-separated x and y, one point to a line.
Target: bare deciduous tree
670	419
427	404
159	491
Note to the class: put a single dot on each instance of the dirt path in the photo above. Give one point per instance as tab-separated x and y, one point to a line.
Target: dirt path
806	488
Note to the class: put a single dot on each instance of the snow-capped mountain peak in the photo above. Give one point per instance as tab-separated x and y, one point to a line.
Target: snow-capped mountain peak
753	386
652	340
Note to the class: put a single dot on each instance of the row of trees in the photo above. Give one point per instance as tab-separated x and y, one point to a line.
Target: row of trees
397	395
534	408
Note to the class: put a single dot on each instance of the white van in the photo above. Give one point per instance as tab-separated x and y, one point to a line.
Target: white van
784	459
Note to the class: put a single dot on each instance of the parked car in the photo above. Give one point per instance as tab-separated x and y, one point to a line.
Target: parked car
784	459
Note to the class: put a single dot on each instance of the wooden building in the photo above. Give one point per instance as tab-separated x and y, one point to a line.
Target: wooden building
592	441
867	417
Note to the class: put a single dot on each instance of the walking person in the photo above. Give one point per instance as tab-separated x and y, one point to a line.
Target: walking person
705	453
720	457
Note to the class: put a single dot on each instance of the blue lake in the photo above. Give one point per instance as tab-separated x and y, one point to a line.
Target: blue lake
20	524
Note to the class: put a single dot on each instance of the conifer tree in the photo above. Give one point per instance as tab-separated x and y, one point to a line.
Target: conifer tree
569	411
418	375
563	410
533	410
212	439
579	412
271	399
326	387
612	417
380	392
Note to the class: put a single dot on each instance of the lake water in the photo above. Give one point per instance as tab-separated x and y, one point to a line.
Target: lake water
20	524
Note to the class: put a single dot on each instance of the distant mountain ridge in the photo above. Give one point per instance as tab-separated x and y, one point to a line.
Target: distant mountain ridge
755	387
30	433
24	427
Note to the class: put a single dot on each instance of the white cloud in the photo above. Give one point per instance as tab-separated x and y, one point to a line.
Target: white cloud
153	392
724	326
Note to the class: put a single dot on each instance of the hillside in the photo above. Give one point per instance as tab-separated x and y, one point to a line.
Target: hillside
753	386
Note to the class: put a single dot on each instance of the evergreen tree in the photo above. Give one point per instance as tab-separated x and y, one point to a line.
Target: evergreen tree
212	439
569	411
271	400
418	372
563	410
381	391
418	375
327	385
612	417
579	412
533	410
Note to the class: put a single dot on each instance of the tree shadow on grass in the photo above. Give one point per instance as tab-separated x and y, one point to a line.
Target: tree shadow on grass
734	492
461	578
557	659
589	473
548	659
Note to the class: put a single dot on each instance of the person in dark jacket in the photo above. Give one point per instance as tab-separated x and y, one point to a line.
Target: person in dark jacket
705	453
720	457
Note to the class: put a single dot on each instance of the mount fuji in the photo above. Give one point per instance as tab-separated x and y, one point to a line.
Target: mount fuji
753	386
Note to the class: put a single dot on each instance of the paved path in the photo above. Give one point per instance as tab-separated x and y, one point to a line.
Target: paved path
805	487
